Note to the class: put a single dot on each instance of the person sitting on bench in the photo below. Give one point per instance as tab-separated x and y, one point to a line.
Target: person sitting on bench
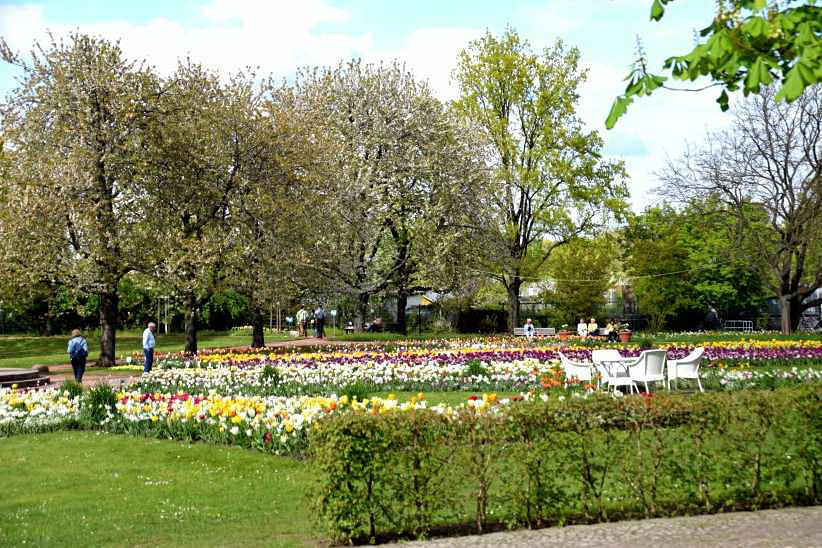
529	329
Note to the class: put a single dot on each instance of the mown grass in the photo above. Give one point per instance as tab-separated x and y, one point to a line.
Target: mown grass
96	489
26	351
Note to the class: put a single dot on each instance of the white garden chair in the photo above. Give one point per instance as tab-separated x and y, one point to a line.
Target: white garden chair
580	370
649	367
687	367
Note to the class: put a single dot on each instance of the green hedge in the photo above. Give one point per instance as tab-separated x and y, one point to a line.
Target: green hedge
573	461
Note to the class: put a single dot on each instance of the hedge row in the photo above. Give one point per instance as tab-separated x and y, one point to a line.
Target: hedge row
582	460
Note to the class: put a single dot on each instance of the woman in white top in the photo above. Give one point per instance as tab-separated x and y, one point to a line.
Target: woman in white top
582	328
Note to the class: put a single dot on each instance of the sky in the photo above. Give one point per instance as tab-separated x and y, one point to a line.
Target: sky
278	37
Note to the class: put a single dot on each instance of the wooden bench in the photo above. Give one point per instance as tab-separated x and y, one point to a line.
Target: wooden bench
538	331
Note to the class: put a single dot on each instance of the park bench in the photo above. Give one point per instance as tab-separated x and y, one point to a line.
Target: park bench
739	325
538	331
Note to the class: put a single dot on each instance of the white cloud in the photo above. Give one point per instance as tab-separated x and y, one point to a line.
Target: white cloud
275	36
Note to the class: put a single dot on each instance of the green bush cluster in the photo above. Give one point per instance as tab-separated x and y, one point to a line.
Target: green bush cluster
581	460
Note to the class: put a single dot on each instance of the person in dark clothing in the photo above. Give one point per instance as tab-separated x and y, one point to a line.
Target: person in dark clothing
78	352
319	318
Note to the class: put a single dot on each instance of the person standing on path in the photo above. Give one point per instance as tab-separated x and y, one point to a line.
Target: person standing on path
148	346
319	318
78	352
302	319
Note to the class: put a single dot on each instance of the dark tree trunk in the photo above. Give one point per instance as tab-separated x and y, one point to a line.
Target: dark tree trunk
402	302
191	324
790	314
513	302
257	327
109	306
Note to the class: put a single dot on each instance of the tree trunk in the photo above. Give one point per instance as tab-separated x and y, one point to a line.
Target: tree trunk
513	302
257	327
362	307
402	302
786	313
796	312
109	306
191	324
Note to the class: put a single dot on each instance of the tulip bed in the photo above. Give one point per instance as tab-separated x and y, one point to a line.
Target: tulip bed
496	364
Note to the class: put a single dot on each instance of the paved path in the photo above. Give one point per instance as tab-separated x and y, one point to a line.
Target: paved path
61	373
784	527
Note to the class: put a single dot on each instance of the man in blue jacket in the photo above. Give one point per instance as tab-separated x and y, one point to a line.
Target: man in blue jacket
148	346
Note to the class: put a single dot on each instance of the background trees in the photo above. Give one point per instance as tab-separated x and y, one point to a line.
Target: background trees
766	173
581	273
550	181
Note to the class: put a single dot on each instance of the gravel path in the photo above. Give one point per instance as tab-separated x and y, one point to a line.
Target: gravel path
784	527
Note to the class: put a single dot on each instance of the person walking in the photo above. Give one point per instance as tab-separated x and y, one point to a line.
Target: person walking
302	319
319	318
78	352
148	346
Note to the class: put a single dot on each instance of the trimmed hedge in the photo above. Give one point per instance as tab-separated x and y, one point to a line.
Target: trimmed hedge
573	461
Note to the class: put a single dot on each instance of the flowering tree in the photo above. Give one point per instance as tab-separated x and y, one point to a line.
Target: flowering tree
395	186
76	201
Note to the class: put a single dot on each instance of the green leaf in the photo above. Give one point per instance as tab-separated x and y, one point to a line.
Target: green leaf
756	27
792	87
723	100
619	108
657	11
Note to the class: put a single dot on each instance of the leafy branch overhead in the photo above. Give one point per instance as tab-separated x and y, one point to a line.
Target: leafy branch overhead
748	45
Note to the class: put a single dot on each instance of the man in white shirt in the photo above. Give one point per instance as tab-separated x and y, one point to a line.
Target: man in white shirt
302	318
148	346
529	329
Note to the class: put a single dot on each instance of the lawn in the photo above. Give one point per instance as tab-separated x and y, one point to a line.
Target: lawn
96	489
26	351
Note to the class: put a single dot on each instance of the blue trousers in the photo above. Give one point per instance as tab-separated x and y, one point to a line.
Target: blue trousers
149	353
78	365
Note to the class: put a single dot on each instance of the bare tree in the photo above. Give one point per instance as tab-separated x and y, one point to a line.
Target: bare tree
767	171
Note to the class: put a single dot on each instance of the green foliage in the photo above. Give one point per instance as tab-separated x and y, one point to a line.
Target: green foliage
685	262
579	460
645	343
749	44
270	376
474	368
97	403
74	389
357	390
581	271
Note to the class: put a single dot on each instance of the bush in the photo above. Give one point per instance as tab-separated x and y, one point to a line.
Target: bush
579	460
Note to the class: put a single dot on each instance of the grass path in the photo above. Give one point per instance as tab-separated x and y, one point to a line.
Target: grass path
97	489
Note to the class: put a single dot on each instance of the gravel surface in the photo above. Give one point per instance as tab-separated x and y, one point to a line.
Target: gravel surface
785	527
